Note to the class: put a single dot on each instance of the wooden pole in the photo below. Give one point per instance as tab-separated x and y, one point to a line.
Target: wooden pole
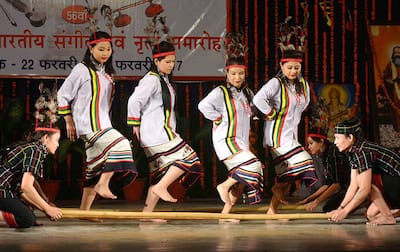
216	209
99	214
236	208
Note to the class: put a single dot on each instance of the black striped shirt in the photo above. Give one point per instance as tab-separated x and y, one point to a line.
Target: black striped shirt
27	157
364	155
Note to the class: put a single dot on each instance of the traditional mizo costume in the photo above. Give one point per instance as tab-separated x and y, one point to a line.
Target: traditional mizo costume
151	107
230	108
283	103
87	94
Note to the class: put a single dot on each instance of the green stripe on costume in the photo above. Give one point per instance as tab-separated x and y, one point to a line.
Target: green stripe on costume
230	108
94	104
167	109
281	115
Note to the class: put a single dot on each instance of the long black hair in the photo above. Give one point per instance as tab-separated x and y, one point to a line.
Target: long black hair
88	58
163	47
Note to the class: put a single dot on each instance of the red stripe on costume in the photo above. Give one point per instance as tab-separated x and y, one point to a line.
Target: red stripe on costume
235	124
166	153
64	107
282	119
288	155
107	149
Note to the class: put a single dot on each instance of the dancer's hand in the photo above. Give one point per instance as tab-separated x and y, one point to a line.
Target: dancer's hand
54	213
136	132
338	215
70	125
311	206
302	202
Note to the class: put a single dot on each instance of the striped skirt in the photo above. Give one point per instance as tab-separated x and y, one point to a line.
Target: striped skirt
245	168
293	163
174	153
108	151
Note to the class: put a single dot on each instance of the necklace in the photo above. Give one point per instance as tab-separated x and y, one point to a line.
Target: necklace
238	93
292	89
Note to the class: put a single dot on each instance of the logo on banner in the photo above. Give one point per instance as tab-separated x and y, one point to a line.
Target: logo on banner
75	14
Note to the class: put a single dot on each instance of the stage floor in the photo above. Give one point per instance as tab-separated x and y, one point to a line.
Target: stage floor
199	235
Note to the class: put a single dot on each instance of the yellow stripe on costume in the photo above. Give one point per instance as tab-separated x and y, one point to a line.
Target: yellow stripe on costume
133	121
167	113
279	118
167	126
231	125
95	99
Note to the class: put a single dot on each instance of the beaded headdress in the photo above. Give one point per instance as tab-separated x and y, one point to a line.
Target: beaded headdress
234	49
46	109
291	40
93	28
157	31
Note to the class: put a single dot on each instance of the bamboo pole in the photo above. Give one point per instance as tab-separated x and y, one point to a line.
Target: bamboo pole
236	208
217	209
100	214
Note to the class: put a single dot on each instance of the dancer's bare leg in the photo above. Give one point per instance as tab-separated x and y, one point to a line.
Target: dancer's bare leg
88	196
102	188
227	209
234	194
149	205
151	201
377	201
372	212
224	188
161	188
273	205
280	190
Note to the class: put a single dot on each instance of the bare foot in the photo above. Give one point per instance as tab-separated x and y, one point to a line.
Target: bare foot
224	194
233	198
373	218
271	211
104	191
395	213
382	220
163	194
279	194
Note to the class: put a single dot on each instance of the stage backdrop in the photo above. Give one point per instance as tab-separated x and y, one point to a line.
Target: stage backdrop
332	103
385	43
47	38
